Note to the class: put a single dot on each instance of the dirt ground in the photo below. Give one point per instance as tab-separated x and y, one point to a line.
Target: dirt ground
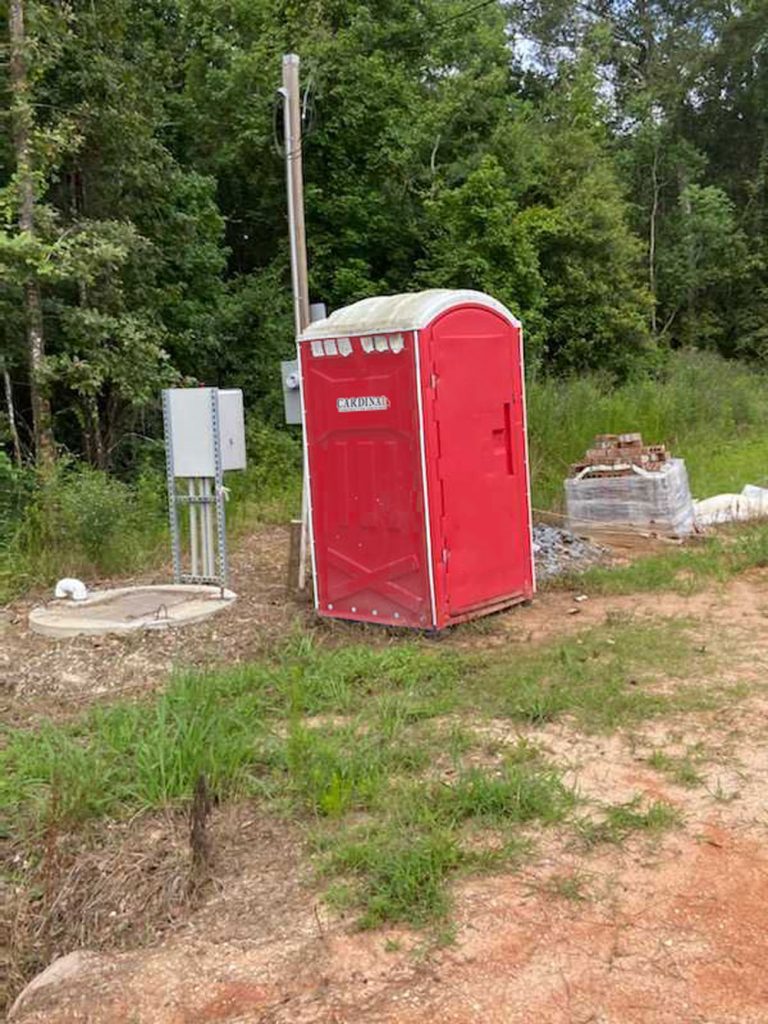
671	929
40	676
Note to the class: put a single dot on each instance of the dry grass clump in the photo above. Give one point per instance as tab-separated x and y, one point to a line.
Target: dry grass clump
116	886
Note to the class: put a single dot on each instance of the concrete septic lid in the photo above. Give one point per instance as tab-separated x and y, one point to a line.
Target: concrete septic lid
129	608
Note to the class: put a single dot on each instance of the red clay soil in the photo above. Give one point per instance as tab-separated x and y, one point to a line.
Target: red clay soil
678	935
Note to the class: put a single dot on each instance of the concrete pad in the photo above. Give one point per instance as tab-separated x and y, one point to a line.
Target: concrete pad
127	609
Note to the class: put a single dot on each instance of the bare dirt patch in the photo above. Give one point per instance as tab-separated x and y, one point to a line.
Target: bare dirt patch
44	677
740	608
677	932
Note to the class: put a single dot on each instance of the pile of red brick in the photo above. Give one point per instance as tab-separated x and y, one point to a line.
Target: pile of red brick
616	454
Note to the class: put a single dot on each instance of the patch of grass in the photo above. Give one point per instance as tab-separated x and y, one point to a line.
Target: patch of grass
518	792
227	723
621	820
132	756
571	886
395	867
398	878
683	570
354	740
334	770
410	678
709	411
602	678
682	770
457	741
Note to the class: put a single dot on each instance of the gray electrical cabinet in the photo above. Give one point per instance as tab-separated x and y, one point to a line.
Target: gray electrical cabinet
204	438
194	418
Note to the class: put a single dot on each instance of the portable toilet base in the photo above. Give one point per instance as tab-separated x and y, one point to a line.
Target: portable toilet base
415	444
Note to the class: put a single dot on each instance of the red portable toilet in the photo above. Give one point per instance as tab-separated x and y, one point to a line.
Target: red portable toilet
415	441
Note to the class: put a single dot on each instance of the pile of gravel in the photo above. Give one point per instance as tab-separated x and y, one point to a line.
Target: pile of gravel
557	552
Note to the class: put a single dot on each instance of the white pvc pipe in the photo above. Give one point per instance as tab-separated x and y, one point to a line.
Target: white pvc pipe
193	526
69	587
211	539
204	527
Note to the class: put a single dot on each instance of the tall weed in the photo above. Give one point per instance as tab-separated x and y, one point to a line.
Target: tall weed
79	521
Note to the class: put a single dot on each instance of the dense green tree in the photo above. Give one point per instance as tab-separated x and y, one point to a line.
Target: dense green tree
127	253
600	167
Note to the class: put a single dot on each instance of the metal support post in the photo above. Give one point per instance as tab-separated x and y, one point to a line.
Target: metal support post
220	493
171	482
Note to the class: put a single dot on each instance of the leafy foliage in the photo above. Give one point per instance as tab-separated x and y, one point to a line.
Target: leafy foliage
436	153
600	169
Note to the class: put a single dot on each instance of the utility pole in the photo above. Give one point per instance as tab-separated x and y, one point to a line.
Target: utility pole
295	185
295	188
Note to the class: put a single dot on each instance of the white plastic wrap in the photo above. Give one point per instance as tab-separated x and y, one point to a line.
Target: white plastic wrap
657	502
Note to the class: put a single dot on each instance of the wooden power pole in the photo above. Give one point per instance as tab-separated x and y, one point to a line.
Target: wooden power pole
295	185
295	188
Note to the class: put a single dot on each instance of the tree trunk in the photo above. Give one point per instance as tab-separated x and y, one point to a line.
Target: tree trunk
22	130
11	416
690	256
98	455
652	237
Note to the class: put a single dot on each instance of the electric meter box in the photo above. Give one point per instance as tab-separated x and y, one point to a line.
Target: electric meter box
415	443
196	419
289	374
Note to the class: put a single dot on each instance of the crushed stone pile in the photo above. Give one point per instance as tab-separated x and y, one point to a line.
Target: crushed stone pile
557	552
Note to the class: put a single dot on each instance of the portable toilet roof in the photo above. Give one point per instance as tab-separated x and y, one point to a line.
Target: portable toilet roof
405	312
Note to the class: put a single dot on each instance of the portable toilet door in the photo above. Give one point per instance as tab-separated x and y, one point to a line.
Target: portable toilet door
415	441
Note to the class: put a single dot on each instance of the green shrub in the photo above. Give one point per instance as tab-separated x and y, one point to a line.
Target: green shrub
16	489
80	521
270	486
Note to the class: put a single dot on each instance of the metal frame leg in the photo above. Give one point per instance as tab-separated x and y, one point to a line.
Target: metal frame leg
171	482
